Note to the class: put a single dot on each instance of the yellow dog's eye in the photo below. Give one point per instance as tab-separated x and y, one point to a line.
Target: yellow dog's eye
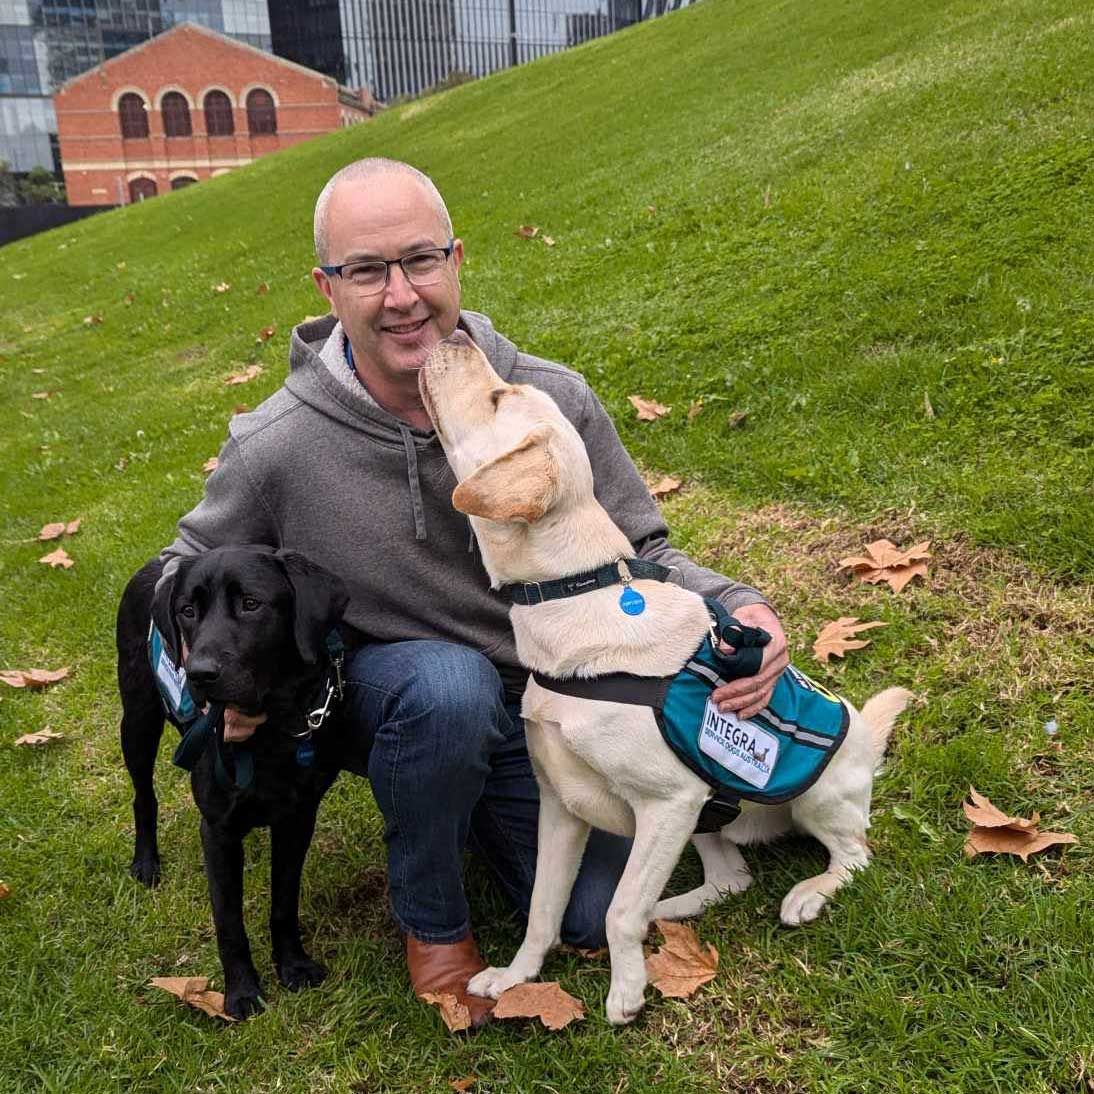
497	393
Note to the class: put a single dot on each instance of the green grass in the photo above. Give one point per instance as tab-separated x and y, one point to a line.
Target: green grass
828	216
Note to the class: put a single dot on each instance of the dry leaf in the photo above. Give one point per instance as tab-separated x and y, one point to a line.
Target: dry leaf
129	298
737	418
119	265
994	831
210	464
554	1007
194	991
92	320
42	394
461	1086
52	531
41	737
5	892
695	410
884	561
648	410
928	409
240	408
527	231
455	1014
664	486
835	638
222	287
266	333
33	678
73	526
249	373
683	964
262	289
57	558
548	241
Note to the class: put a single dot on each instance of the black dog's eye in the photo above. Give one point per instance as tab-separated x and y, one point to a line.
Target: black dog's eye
187	610
250	604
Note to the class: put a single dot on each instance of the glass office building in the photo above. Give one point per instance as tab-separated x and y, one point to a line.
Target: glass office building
43	43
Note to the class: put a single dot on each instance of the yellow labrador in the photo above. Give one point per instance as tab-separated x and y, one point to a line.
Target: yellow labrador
524	480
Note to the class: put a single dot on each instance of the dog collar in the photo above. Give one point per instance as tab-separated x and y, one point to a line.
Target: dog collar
619	572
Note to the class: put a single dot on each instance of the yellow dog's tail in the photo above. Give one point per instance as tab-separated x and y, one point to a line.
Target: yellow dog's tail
880	712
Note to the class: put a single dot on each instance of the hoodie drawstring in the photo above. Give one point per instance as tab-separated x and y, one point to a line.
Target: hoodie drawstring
415	485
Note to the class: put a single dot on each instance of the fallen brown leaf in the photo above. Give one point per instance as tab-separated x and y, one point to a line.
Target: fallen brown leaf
92	320
194	991
262	289
683	964
73	526
648	410
835	639
52	531
42	394
248	374
455	1014
554	1007
210	464
664	486
527	231
240	408
884	561
737	418
461	1086
266	333
548	241
994	831
33	678
129	298
695	410
40	737
5	892
57	558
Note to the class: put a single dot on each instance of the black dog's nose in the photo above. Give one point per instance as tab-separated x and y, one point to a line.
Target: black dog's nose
458	338
202	671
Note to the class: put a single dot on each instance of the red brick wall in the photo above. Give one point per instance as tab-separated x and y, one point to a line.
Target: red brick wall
98	164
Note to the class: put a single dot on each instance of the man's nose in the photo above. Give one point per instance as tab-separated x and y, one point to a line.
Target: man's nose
399	293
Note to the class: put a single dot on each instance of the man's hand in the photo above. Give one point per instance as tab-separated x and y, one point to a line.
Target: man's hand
750	694
239	726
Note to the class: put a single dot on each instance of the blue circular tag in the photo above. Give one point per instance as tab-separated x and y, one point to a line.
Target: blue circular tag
632	601
305	753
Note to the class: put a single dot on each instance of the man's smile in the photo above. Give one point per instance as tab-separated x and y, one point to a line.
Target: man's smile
404	329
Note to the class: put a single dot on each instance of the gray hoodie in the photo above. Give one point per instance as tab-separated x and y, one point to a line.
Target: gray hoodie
321	468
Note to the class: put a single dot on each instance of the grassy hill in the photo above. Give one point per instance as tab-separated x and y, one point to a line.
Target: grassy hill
869	228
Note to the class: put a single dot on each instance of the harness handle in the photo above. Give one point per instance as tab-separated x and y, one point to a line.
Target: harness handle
748	642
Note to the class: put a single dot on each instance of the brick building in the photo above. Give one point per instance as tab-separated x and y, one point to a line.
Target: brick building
185	106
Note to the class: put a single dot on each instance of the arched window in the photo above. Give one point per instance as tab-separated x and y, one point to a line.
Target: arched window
132	116
176	115
218	115
182	181
261	114
139	189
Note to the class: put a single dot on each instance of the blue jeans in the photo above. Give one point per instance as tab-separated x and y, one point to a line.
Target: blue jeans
428	723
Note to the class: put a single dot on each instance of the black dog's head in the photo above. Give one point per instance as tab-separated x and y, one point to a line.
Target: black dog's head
246	620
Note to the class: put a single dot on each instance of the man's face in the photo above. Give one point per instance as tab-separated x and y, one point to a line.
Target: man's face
391	331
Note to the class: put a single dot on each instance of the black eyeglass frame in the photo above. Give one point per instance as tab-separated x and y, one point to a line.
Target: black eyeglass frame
330	271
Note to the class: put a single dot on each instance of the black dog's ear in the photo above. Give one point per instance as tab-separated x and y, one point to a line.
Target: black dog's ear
320	598
163	610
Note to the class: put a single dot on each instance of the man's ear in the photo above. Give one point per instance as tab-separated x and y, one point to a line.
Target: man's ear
163	610
519	485
319	599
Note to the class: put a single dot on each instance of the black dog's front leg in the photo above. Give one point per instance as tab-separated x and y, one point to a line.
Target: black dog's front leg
224	871
289	842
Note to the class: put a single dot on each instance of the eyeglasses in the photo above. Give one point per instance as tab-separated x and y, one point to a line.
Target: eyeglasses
371	276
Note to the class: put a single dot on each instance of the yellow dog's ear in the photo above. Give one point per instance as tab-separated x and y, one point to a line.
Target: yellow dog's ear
519	485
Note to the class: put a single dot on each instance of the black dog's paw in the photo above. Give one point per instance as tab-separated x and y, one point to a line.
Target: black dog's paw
301	972
243	1003
146	870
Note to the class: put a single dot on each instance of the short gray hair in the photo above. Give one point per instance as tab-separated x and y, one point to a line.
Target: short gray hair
365	169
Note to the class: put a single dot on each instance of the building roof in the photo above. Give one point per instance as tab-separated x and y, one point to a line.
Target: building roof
197	28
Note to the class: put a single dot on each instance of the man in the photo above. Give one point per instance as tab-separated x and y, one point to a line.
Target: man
342	464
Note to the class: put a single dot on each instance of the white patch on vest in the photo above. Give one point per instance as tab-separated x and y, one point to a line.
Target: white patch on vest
741	747
173	679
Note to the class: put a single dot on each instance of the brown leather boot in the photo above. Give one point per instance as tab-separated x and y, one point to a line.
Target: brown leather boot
446	967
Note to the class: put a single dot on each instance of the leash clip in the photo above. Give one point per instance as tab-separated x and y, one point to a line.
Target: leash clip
625	577
318	716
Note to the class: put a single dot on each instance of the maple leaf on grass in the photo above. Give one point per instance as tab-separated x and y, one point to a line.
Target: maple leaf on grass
41	737
194	991
527	231
664	486
248	374
5	892
455	1014
56	529
683	964
546	1001
210	465
266	333
461	1086
33	678
994	831
836	638
57	558
648	410
884	561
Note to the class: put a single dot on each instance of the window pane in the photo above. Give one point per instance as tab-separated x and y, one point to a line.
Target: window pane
218	115
133	117
176	115
261	116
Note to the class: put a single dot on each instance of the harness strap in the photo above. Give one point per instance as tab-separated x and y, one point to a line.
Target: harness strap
528	593
612	687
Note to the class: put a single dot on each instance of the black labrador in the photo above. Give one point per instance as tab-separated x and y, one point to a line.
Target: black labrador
251	624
